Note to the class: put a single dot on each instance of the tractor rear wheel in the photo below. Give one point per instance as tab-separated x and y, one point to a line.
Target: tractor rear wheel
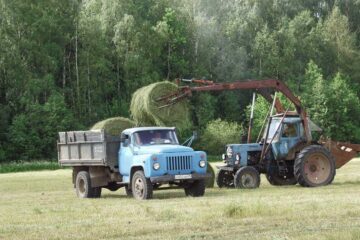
314	166
247	177
225	179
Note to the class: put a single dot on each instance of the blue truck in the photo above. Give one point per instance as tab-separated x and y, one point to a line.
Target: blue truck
141	160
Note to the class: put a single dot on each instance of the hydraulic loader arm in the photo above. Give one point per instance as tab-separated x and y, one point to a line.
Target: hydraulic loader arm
264	87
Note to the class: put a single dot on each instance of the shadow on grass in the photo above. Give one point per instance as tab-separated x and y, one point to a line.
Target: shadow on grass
167	194
346	183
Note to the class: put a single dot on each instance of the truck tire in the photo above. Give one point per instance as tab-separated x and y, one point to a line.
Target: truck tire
83	186
141	186
195	189
247	177
128	191
96	192
210	182
314	166
225	179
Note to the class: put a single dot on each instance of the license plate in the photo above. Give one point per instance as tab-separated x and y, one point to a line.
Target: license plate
185	176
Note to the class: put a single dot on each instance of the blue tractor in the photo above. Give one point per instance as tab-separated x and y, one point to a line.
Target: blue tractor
286	153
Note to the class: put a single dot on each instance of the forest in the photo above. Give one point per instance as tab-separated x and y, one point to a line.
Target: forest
65	65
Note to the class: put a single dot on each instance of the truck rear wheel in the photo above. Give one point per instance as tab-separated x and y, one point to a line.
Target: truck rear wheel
141	186
314	166
225	179
84	188
247	177
195	189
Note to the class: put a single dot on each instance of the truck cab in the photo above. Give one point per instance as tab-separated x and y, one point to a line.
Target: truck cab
141	160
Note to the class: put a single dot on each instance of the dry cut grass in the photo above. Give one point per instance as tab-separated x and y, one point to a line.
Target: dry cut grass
43	205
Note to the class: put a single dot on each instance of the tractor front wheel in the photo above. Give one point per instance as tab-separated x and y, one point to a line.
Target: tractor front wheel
314	167
225	179
247	177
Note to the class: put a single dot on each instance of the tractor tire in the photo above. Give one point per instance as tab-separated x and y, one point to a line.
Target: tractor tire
128	191
247	177
83	186
225	179
277	180
314	166
274	178
141	187
195	189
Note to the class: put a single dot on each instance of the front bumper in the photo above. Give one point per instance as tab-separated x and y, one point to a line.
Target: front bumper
226	168
172	178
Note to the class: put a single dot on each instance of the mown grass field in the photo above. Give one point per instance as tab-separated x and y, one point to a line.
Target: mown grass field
43	205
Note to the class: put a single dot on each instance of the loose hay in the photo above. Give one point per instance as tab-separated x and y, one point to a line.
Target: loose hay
146	112
114	126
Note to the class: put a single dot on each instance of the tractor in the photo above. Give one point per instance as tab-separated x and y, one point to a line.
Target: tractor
286	153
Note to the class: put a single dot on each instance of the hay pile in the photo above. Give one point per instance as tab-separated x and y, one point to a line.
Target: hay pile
146	112
114	126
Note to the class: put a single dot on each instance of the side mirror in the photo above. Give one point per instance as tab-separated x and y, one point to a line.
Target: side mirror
126	142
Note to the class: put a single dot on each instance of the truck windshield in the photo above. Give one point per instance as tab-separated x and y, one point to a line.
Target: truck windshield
152	137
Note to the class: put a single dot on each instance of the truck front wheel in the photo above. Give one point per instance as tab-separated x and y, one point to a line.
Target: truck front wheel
84	188
195	189
141	186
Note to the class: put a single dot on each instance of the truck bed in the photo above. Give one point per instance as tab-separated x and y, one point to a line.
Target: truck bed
88	148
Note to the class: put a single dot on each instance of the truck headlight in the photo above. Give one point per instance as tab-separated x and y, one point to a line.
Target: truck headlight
202	163
156	166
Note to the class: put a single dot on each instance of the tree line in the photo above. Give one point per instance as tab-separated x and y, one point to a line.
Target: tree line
65	65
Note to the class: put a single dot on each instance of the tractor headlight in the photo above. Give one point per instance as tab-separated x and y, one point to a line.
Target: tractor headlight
202	163
238	157
223	156
229	152
156	166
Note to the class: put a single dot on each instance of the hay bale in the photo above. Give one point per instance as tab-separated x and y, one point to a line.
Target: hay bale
210	182
146	112
114	126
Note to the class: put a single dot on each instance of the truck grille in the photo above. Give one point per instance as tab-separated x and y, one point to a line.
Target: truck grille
179	163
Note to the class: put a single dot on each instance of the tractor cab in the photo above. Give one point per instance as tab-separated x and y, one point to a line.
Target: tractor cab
284	135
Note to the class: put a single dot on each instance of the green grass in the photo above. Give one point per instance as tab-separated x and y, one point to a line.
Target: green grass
28	166
43	205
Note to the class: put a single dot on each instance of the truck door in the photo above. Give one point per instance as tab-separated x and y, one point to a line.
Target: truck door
125	156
